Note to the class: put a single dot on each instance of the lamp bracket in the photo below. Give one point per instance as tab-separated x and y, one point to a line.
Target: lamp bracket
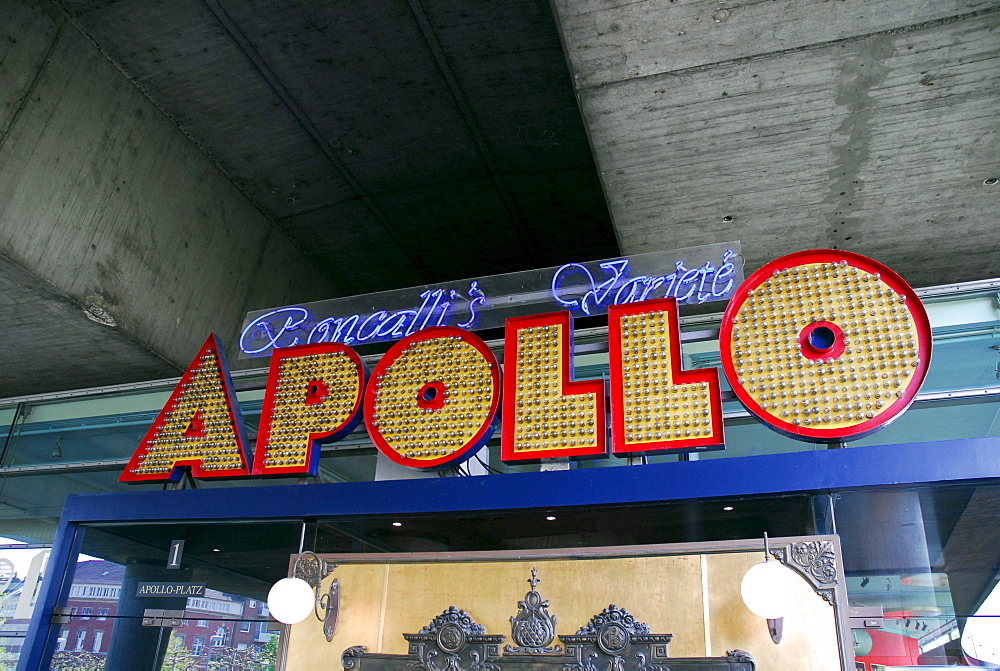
312	569
775	627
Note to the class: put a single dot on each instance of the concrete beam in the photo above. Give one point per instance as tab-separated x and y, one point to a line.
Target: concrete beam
851	125
609	42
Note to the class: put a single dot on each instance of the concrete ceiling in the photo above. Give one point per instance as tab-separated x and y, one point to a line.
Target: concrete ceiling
400	142
397	143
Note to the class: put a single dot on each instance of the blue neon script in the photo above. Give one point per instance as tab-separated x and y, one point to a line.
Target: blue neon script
692	275
574	286
295	325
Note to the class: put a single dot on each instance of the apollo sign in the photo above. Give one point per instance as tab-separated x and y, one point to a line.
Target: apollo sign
823	346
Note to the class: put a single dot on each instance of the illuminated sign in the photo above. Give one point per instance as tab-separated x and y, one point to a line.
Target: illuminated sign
313	397
547	414
433	398
824	346
691	276
655	405
199	427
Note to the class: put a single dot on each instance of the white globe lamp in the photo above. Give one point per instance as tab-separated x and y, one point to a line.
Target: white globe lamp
765	590
290	600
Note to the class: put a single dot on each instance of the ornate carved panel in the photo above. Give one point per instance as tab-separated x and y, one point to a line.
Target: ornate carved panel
533	628
612	640
816	561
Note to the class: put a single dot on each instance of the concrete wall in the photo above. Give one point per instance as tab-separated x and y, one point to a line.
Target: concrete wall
104	201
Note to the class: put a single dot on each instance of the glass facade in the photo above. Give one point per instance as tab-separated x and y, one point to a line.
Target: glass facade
925	550
219	630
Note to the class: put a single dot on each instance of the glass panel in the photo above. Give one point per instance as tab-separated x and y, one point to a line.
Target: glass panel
927	557
964	362
21	572
96	429
27	532
923	422
349	465
89	429
251	404
213	644
746	437
218	630
226	625
43	494
6	419
976	418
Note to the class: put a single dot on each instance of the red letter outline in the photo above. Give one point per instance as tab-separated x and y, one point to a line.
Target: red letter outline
167	452
509	451
708	377
487	425
847	378
312	456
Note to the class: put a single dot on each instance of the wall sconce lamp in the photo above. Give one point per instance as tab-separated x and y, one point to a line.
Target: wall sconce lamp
765	590
290	600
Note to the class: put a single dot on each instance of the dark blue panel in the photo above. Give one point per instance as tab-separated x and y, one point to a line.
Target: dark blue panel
954	460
